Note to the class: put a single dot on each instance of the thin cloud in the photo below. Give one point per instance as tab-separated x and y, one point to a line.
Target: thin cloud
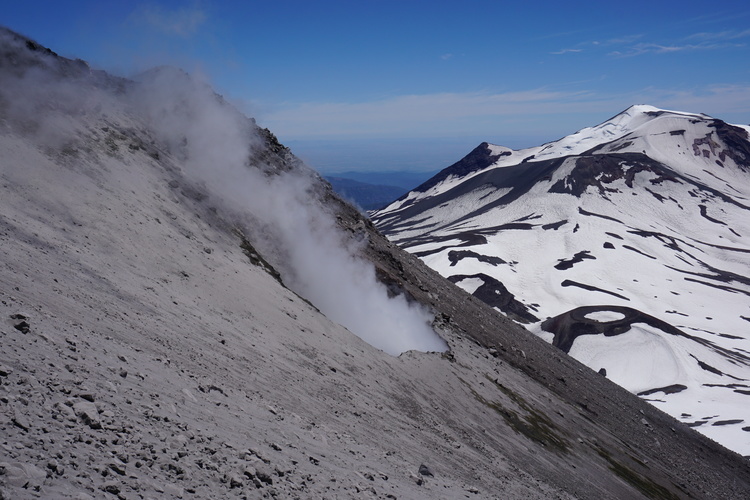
560	34
566	51
720	17
623	39
721	35
655	48
632	45
183	22
597	44
412	115
713	100
485	113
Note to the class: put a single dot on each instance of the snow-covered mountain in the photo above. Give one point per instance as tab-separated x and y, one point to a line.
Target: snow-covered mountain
626	244
189	312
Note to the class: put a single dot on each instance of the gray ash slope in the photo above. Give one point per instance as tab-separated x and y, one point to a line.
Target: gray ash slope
646	215
150	351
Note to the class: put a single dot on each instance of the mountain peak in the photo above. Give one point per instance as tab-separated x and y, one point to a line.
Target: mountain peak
638	114
479	158
642	108
647	211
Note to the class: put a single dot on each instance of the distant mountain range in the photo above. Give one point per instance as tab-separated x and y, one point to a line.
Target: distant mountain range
365	196
626	245
373	190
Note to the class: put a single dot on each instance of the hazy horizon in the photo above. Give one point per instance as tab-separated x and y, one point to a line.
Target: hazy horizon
417	155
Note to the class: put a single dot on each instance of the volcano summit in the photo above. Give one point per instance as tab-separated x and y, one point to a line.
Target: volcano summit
625	244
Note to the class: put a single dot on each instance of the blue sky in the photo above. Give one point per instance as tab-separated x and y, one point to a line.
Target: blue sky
439	76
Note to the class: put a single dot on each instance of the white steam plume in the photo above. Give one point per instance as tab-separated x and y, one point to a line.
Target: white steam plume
214	141
44	96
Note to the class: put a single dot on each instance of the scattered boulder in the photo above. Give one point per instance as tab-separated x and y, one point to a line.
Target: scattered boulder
235	481
56	467
88	396
20	420
66	411
118	467
88	414
111	487
263	474
20	323
425	471
22	475
173	490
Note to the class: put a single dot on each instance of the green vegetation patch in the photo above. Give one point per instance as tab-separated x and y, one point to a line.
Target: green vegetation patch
533	424
643	484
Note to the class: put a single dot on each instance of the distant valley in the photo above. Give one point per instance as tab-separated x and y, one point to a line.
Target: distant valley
373	190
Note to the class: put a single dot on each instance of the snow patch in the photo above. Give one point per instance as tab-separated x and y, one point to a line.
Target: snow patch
605	316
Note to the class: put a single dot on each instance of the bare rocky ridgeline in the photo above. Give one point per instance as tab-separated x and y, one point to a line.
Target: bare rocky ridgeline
145	355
